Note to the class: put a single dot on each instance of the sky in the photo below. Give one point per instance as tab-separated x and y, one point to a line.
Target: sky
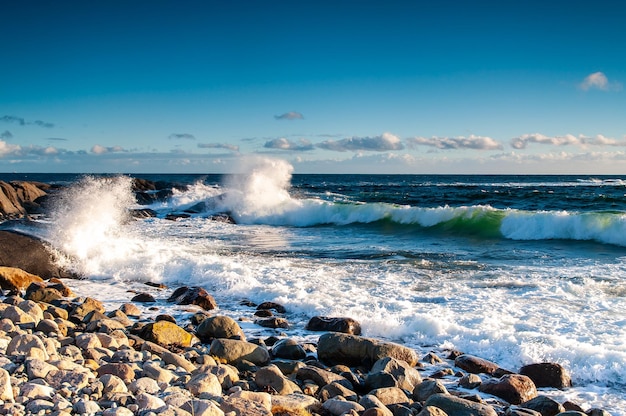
415	87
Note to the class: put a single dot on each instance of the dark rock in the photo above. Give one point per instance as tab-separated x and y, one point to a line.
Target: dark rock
224	218
29	254
38	292
514	388
547	375
272	322
143	213
194	295
272	305
345	325
168	318
544	405
289	349
175	217
321	377
475	365
264	313
380	379
143	298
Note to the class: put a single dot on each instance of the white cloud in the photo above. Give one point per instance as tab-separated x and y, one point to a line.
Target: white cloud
285	144
100	150
9	149
599	81
522	142
382	143
471	142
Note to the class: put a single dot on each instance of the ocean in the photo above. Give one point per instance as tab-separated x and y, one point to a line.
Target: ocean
514	269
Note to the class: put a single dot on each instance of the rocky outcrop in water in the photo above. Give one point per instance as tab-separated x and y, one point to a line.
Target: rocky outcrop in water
20	198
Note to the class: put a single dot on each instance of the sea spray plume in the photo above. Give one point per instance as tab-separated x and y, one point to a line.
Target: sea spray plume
88	219
260	191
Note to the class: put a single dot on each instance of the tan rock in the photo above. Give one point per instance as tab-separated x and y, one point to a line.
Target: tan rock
295	404
6	391
234	351
204	383
338	348
166	334
21	344
271	377
243	406
16	280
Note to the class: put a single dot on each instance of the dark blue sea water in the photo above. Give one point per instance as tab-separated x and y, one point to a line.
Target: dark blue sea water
515	269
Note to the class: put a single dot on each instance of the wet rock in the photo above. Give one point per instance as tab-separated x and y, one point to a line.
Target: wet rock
457	406
193	296
235	351
337	348
475	365
514	388
289	349
547	375
167	334
16	280
544	405
219	327
29	254
272	322
344	325
39	292
143	298
272	306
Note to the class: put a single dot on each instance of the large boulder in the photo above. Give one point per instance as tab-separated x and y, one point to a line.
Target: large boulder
514	388
338	348
29	254
547	375
19	198
16	280
475	365
167	334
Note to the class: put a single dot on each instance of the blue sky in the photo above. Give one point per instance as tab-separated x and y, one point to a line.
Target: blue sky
330	86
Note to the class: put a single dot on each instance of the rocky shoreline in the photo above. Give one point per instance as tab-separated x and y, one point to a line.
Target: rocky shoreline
63	354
